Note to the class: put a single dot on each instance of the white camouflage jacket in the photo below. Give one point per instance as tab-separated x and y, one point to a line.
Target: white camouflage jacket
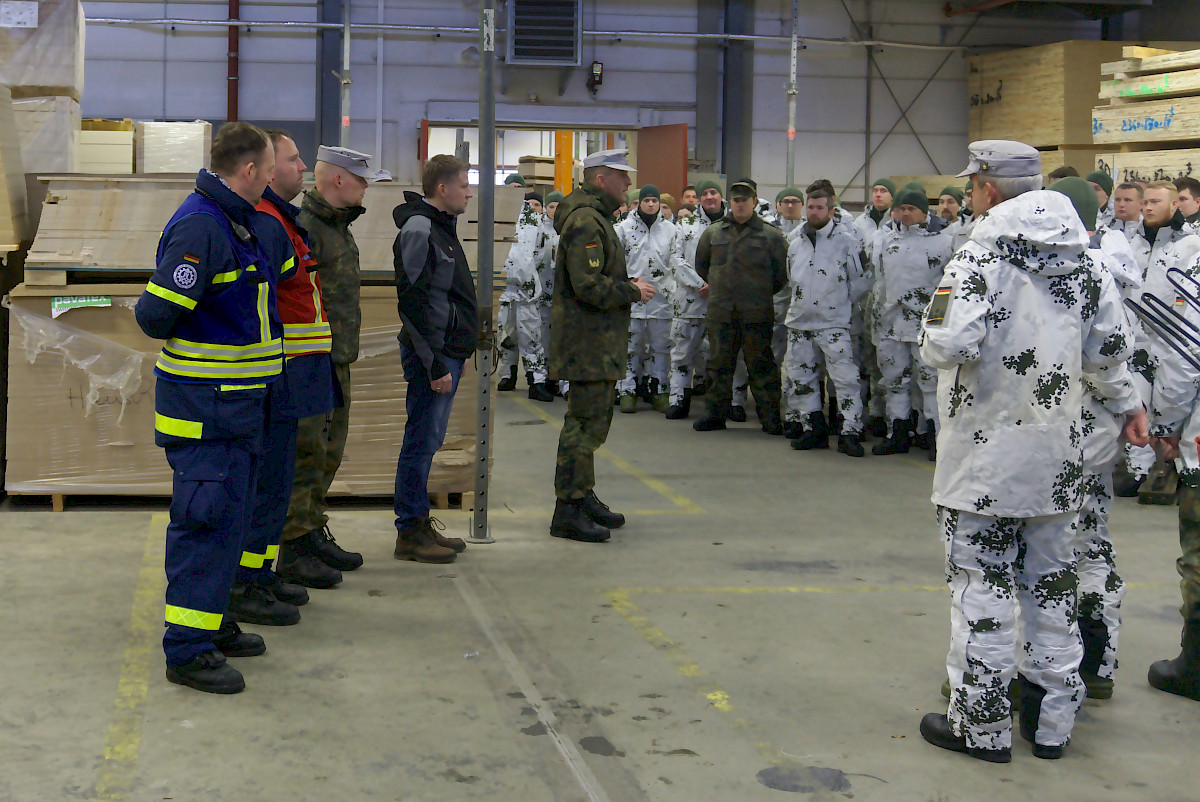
650	254
1173	247
1175	399
867	229
826	277
1018	318
908	264
546	266
525	258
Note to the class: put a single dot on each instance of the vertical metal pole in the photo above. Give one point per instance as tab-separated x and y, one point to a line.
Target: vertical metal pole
344	135
378	88
791	92
480	531
867	136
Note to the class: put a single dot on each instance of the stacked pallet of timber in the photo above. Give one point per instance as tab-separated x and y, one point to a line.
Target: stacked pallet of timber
13	217
538	172
1149	127
82	368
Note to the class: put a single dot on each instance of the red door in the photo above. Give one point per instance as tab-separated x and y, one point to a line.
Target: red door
662	157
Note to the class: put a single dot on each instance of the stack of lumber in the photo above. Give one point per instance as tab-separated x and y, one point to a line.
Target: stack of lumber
538	171
13	218
106	147
1149	129
172	147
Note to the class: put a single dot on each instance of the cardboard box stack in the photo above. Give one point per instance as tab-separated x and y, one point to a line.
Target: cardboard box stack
80	362
1152	114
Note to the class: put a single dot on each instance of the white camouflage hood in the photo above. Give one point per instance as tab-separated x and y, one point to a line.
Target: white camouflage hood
1038	232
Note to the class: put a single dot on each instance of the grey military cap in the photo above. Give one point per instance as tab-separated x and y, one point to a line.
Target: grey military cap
351	161
1002	158
616	159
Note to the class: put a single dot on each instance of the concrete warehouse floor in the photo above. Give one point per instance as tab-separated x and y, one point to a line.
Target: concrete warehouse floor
766	618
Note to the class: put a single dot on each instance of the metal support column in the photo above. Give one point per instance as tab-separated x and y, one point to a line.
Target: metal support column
791	93
480	531
344	134
737	102
328	12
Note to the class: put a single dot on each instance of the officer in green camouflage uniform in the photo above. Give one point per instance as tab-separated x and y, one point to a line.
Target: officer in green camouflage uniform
589	337
744	262
308	554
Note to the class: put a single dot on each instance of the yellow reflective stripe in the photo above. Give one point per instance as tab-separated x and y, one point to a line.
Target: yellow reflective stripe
252	560
272	553
264	317
252	269
226	388
316	301
223	353
306	329
288	265
173	297
215	370
314	345
196	619
178	427
225	278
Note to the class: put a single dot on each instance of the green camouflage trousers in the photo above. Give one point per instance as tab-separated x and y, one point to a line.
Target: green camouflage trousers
1188	563
1000	569
753	341
1101	588
320	444
585	428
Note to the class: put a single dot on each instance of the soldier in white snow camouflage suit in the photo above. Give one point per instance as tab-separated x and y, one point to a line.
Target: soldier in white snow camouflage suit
520	316
1018	318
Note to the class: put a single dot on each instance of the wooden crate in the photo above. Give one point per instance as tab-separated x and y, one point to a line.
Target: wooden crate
538	167
14	219
1041	96
1176	120
1150	165
105	151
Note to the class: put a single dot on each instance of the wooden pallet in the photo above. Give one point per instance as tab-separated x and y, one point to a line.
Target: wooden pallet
1153	96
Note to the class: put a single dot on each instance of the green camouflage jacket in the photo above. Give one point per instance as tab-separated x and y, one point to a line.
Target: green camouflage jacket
589	323
744	265
336	253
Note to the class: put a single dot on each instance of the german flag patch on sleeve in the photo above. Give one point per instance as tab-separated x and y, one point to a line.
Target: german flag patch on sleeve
938	307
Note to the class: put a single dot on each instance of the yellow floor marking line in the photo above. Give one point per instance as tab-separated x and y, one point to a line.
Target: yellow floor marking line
145	631
683	504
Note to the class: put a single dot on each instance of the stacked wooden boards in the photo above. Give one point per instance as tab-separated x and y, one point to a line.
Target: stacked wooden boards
81	363
1149	129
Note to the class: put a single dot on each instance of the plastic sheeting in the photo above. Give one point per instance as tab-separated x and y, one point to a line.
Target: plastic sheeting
48	128
172	147
48	59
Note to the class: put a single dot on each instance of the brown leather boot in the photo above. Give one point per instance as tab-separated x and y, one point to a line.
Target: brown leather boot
436	527
417	543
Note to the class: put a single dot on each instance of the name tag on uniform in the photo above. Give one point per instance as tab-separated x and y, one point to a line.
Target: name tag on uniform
938	306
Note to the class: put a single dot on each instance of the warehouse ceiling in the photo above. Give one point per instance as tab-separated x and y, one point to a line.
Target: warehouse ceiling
1056	9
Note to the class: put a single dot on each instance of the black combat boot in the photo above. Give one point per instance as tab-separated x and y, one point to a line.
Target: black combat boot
600	512
571	521
816	434
769	418
877	426
1095	636
327	550
737	414
232	642
848	444
209	673
932	432
299	565
700	388
509	382
935	728
295	595
897	443
554	388
681	410
793	430
713	421
537	390
642	389
1181	676
1029	714
834	416
252	604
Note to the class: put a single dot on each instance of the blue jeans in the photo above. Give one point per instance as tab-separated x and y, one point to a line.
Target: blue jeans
424	433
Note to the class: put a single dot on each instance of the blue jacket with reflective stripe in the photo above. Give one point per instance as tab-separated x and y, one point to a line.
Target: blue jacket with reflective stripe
212	296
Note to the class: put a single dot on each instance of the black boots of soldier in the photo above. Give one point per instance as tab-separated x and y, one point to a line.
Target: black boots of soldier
681	410
300	563
1181	676
209	673
897	443
253	604
572	520
509	382
713	421
935	728
1029	713
815	434
538	391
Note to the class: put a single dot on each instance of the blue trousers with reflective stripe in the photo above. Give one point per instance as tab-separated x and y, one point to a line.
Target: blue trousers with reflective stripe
211	500
276	474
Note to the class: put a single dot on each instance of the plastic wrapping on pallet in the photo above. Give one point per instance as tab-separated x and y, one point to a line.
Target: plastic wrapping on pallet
172	147
14	218
81	400
48	128
41	48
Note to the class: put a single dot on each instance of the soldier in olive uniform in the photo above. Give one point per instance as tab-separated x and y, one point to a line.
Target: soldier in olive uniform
744	261
589	337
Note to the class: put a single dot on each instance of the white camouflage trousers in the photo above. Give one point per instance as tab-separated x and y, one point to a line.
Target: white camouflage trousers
802	376
1101	588
687	347
870	378
653	336
521	334
900	363
1010	575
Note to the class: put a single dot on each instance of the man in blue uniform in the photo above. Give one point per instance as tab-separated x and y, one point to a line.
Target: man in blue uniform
212	299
